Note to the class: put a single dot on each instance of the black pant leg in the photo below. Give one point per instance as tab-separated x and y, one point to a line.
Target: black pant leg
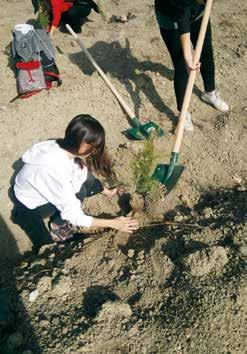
31	221
75	15
207	56
91	187
172	41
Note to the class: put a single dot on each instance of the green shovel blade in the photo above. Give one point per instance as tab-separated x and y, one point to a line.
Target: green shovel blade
143	131
160	175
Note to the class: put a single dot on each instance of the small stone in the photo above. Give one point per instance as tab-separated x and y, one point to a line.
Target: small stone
131	253
44	323
134	331
237	179
207	212
44	284
38	264
65	331
178	218
15	340
241	189
185	199
123	18
141	255
62	286
23	265
33	295
243	251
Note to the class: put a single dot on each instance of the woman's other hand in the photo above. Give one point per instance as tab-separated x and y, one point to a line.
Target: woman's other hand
191	66
112	192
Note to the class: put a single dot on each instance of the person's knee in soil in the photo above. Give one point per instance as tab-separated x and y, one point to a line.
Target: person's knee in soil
71	12
184	18
56	172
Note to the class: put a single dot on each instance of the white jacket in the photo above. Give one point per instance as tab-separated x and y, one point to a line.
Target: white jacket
50	176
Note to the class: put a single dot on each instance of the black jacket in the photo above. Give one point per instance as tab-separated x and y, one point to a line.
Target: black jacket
183	12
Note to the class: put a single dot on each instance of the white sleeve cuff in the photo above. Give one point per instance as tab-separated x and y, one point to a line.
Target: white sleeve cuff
86	221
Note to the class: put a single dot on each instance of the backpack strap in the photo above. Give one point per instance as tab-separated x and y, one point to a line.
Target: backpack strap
51	76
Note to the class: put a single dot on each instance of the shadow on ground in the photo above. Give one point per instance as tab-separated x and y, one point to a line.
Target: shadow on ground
16	332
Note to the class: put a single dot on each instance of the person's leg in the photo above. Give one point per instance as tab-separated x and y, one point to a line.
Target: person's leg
62	230
75	15
172	41
210	95
207	58
31	221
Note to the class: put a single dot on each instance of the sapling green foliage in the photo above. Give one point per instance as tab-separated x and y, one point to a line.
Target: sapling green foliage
43	19
43	15
100	4
143	166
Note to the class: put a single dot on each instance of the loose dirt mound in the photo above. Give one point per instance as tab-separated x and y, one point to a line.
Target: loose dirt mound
166	289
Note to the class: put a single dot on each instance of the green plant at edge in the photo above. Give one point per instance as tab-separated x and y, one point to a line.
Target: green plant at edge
101	9
43	15
142	168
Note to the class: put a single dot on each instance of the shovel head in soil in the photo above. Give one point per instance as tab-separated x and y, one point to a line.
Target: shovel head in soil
168	175
142	131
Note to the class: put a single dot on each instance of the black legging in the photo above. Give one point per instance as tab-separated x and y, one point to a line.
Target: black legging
172	41
31	220
75	15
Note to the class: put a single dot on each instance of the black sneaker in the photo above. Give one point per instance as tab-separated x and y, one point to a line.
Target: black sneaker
61	233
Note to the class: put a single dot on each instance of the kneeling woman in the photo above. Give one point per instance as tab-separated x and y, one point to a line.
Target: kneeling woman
73	12
55	180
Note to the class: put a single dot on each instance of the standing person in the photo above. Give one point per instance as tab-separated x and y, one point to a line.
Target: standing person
72	12
55	179
179	22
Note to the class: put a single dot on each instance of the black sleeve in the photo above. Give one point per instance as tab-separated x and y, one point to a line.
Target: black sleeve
182	14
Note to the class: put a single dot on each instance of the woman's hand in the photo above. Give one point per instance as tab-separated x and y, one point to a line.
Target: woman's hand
124	224
190	65
188	53
52	31
112	192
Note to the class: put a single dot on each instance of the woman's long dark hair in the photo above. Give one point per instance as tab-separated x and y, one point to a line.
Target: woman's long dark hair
86	129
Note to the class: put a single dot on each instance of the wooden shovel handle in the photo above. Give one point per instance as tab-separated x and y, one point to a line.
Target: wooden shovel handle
192	77
102	74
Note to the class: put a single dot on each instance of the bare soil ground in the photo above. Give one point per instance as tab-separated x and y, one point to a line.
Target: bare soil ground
172	288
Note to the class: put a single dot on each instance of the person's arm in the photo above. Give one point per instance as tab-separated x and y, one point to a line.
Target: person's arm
187	52
183	17
58	190
56	16
52	31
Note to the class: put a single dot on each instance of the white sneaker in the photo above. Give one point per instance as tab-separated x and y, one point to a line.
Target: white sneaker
214	99
188	125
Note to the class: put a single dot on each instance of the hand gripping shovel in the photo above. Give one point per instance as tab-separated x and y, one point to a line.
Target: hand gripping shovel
169	175
138	131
